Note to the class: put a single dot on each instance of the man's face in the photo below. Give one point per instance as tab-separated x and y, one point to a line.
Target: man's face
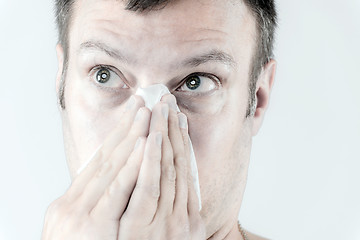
214	39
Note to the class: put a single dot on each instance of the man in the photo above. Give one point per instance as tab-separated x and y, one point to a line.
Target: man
215	59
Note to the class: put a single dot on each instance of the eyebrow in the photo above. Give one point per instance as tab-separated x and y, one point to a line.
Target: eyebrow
111	52
212	56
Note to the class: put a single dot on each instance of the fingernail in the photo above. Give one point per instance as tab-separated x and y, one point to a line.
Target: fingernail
158	138
165	111
138	115
131	103
182	121
137	144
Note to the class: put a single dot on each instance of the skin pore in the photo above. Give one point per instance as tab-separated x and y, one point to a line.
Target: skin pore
213	40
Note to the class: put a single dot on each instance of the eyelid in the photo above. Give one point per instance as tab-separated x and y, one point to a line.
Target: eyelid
202	74
113	69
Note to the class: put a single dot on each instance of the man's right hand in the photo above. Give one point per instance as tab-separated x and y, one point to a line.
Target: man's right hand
85	211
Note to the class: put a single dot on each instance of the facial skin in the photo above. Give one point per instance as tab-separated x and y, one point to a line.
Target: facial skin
165	46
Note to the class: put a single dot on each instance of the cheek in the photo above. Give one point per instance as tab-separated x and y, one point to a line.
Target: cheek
89	120
214	133
213	137
222	145
222	154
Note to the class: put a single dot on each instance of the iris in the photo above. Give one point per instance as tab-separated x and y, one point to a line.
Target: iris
193	82
103	75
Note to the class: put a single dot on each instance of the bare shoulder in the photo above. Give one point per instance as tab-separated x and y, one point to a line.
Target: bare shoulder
252	236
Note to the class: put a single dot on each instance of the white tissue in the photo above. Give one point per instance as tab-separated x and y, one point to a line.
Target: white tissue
153	95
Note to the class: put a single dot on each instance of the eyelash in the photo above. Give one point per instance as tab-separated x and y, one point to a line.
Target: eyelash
216	79
96	68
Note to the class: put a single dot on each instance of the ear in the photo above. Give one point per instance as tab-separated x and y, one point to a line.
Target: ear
263	89
60	58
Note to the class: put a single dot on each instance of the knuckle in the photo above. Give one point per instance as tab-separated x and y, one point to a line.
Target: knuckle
169	153
118	187
154	156
74	224
186	228
129	223
183	222
180	229
149	190
181	161
170	173
105	168
125	221
55	208
181	166
154	191
173	124
63	207
197	225
179	153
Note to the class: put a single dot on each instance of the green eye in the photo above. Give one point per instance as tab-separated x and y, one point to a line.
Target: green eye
103	75
108	77
193	82
199	83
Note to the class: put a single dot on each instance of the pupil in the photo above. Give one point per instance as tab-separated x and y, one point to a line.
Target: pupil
193	82
103	75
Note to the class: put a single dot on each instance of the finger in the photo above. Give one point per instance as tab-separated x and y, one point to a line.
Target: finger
115	199
181	163
175	134
168	172
131	111
159	122
144	200
110	168
159	118
103	152
119	133
178	133
139	128
193	201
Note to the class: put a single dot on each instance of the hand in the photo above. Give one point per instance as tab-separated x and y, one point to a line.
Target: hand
96	204
93	205
164	204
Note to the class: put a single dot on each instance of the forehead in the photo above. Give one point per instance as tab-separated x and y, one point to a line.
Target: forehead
200	12
181	25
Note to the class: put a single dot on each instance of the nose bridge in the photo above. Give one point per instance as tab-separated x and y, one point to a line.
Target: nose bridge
149	76
156	63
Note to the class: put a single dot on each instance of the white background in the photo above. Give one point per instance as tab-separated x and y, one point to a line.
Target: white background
304	180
